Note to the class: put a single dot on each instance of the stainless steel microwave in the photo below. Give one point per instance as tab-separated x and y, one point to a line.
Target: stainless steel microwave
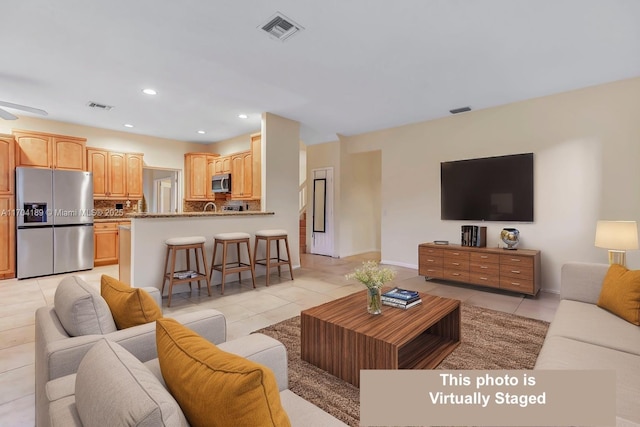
221	183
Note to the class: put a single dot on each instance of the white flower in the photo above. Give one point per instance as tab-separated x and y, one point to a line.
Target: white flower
372	275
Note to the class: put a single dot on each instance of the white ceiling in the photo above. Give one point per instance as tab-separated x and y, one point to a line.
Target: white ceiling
358	66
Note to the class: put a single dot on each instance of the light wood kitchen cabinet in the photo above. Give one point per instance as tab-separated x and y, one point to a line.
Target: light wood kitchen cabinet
198	170
241	175
116	176
38	149
134	163
106	242
222	165
7	208
256	169
7	164
7	237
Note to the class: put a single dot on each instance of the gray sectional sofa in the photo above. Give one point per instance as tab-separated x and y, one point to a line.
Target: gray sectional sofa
59	356
585	336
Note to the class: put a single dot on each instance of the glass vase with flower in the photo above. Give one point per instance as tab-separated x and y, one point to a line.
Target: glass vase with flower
373	276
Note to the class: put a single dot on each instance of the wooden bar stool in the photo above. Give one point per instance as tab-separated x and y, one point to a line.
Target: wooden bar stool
226	266
185	276
269	236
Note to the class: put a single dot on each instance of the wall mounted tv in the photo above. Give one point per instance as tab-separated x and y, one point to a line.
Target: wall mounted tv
488	189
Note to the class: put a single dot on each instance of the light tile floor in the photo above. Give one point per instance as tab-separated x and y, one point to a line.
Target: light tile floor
320	279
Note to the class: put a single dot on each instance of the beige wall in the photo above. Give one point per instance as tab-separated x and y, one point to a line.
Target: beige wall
586	146
360	203
280	172
158	152
232	145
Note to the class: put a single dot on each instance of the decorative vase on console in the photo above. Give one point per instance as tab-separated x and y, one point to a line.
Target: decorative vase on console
373	277
510	236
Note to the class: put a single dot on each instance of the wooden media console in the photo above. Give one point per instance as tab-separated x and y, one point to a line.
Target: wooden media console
511	270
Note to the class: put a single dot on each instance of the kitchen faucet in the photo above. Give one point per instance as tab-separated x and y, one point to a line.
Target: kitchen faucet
215	208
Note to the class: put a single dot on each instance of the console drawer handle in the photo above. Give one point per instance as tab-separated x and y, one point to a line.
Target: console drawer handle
515	284
515	271
455	263
483	278
456	253
484	256
483	266
455	274
515	260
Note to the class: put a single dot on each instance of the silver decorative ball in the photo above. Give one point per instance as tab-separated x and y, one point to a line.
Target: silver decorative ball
510	236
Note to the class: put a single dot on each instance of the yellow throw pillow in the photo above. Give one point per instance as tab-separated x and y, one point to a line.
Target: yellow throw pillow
215	388
129	306
620	293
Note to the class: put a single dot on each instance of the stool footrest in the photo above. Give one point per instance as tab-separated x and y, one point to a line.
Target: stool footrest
272	263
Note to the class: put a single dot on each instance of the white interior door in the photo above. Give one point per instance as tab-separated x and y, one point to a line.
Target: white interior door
322	224
164	195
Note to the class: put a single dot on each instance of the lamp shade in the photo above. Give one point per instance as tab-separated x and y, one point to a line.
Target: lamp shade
618	235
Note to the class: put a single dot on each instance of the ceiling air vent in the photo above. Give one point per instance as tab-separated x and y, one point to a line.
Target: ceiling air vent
105	107
280	27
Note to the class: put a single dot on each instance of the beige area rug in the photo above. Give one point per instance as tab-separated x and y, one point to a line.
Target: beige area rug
490	340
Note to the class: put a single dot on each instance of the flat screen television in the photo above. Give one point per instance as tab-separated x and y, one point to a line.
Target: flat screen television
488	189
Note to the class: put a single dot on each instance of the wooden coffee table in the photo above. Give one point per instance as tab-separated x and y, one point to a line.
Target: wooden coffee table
341	337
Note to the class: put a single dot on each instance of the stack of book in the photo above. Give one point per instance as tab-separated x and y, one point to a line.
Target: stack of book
472	235
185	274
401	298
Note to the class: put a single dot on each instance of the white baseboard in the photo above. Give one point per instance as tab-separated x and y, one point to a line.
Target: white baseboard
399	264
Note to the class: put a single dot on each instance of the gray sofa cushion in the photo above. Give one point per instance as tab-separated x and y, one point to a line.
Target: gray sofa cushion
81	309
114	388
592	324
566	353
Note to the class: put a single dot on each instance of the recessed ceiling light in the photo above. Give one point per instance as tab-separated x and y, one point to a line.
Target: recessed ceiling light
127	125
243	116
201	132
149	91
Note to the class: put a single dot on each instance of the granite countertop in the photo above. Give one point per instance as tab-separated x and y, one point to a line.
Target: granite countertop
111	219
197	214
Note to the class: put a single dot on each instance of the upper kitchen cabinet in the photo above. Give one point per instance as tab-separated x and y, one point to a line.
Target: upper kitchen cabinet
7	164
256	172
241	175
134	162
116	176
222	165
45	150
198	170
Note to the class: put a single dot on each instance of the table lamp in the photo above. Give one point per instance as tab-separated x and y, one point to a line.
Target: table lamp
618	237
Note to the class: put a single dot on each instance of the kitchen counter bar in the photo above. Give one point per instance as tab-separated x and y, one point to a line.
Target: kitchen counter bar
149	232
197	214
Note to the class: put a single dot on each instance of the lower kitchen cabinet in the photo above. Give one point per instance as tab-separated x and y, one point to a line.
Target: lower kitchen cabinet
106	242
7	238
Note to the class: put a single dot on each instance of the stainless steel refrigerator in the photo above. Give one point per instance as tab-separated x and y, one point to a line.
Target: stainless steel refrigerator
54	219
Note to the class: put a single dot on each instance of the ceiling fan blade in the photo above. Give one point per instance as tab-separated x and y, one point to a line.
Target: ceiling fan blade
24	108
7	115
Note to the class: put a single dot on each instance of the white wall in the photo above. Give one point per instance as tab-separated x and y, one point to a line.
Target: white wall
586	146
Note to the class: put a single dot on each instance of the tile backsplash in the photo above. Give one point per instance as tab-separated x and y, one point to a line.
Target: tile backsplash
191	206
107	208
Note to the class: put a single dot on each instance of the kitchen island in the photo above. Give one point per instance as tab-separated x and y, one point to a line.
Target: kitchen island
149	232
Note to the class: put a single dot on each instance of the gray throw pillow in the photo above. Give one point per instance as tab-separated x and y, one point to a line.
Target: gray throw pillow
81	309
113	388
